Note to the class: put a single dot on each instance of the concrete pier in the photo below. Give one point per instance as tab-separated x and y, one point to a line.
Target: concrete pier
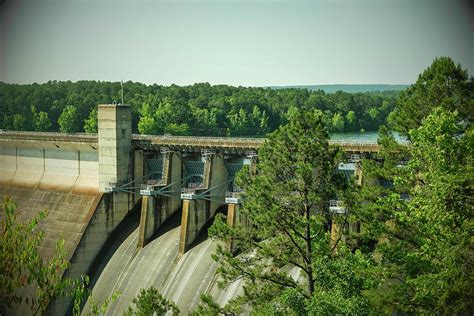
160	197
200	204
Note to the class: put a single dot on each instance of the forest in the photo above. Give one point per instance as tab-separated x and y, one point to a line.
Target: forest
199	110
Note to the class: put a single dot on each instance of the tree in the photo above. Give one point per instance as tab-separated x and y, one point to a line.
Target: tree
147	123
351	118
90	124
42	122
177	129
69	120
151	302
287	204
206	109
19	123
416	203
342	280
423	222
443	84
337	122
21	264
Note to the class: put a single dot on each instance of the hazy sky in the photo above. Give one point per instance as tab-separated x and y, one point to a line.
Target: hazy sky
250	43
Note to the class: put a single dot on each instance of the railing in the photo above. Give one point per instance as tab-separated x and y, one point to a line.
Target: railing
337	207
335	203
233	197
231	194
168	140
89	137
355	158
192	187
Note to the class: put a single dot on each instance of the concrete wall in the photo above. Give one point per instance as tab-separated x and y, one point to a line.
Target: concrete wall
115	140
107	215
43	166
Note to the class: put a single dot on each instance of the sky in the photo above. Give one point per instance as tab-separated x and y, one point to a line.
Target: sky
248	43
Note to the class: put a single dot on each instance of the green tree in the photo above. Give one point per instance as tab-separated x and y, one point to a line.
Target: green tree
351	118
177	129
151	302
287	204
42	122
342	281
423	219
69	120
21	264
19	122
337	122
147	123
443	84
90	124
239	122
419	214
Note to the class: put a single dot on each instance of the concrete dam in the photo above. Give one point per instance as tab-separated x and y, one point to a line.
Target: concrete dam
133	209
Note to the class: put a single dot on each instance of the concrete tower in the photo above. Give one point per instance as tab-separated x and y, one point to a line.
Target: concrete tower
115	140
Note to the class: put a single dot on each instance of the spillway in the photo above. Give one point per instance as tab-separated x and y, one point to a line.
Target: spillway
180	278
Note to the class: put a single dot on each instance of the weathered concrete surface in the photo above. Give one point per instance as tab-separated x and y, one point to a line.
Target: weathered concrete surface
68	214
45	168
115	134
107	215
181	278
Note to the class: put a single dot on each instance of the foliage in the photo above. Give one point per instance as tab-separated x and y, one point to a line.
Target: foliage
91	123
19	122
22	265
443	84
69	120
200	109
287	204
418	215
342	280
40	121
207	306
151	302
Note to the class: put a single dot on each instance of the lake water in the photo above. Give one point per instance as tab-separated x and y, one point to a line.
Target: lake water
362	137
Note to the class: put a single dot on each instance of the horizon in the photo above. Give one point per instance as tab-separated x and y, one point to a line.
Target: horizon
239	43
218	84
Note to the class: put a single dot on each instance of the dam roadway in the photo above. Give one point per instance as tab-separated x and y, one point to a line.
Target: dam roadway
133	209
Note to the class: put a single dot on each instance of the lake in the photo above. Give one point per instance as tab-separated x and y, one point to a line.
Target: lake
362	137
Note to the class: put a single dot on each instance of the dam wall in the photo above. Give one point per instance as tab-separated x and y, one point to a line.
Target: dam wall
88	183
61	173
49	165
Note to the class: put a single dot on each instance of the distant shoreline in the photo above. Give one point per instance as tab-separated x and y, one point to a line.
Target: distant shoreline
352	88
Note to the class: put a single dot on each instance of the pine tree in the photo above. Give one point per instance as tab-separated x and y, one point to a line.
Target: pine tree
416	202
443	84
287	204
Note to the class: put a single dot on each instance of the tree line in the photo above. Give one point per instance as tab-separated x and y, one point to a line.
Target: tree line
199	110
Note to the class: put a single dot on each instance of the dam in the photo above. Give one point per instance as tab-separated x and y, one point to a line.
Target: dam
133	209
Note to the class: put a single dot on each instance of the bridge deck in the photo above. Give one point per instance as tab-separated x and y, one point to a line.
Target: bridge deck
173	142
